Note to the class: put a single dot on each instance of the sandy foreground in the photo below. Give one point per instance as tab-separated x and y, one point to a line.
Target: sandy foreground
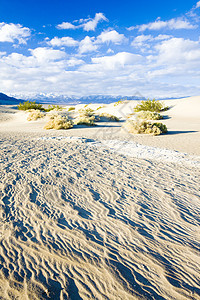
97	213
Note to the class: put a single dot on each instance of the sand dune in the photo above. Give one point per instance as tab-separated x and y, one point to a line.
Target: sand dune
79	220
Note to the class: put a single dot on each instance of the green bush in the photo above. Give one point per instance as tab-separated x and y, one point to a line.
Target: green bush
150	105
118	102
100	107
149	115
53	107
30	105
144	127
58	122
71	108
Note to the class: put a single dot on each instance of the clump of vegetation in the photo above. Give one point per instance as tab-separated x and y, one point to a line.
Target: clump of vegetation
85	120
86	112
100	107
109	117
118	102
144	127
150	105
34	114
58	122
71	108
30	105
149	115
53	107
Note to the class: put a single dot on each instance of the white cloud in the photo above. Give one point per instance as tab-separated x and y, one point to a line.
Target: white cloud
145	40
14	32
64	41
178	23
119	60
87	45
87	24
66	25
44	55
92	24
110	36
110	50
178	50
198	4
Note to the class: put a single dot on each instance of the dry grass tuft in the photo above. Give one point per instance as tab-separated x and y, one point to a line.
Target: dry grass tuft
149	115
109	117
58	122
85	120
86	112
35	114
144	127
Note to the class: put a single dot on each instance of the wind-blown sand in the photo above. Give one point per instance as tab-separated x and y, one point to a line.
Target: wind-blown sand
86	217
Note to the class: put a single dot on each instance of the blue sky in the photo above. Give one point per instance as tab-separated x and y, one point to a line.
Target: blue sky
83	48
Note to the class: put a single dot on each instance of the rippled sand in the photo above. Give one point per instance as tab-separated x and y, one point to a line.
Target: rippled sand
84	223
80	219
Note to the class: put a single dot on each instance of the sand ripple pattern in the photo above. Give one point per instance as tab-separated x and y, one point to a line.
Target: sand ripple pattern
81	222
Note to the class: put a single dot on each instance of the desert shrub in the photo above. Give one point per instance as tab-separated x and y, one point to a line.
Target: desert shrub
30	105
161	126
34	114
136	127
149	115
53	107
100	107
118	102
58	122
150	105
85	120
109	117
86	112
71	108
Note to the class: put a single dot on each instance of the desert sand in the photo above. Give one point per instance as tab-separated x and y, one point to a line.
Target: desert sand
97	213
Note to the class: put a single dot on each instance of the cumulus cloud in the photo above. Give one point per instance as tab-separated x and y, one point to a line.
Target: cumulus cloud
178	50
119	60
87	24
64	41
43	54
111	36
87	45
66	25
144	40
92	24
14	32
198	4
172	24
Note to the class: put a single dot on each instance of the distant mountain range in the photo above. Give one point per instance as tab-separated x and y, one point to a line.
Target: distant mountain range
50	98
63	99
6	100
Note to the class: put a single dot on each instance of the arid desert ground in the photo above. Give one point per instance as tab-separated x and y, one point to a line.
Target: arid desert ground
98	213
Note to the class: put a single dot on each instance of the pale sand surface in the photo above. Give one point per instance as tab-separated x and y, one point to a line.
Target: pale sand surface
84	219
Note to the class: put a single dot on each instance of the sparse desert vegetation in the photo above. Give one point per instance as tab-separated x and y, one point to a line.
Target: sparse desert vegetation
150	105
27	105
54	107
72	108
149	115
85	120
86	112
144	127
58	122
35	114
109	117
